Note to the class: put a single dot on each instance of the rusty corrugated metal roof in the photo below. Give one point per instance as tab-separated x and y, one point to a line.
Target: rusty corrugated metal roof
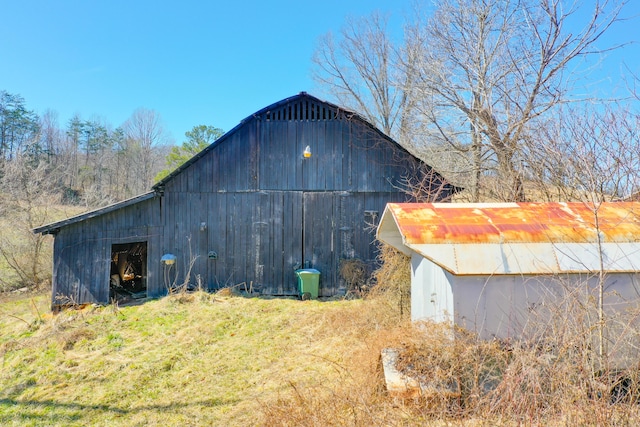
517	238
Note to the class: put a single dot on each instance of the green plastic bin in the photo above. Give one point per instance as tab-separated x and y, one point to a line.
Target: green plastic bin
308	283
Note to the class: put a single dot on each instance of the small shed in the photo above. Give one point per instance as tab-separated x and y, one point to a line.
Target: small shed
502	269
298	184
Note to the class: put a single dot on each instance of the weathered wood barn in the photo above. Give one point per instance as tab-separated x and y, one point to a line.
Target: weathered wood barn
298	184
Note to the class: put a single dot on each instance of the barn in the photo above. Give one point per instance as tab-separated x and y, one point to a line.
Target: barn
510	270
298	184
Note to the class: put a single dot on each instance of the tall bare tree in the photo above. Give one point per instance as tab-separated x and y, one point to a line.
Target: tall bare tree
588	154
28	198
143	131
591	154
494	67
475	75
50	134
360	69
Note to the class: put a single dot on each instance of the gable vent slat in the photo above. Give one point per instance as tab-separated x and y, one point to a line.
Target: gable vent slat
301	110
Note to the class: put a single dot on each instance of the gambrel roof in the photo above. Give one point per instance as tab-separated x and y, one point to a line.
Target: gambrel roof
298	107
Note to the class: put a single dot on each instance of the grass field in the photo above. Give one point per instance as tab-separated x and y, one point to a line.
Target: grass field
195	359
201	359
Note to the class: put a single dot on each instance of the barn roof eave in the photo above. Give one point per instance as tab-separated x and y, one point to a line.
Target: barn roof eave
55	227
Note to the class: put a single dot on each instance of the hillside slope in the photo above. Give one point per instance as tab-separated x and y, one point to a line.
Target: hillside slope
200	359
184	360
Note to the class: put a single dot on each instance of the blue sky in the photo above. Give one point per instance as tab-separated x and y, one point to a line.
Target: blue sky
194	62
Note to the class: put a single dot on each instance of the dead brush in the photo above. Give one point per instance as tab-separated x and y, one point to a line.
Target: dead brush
347	402
198	296
539	383
558	374
353	393
355	273
393	280
182	297
227	292
455	369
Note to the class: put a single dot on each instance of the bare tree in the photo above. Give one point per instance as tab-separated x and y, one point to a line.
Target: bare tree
586	153
493	68
591	154
142	132
475	76
361	71
50	134
26	202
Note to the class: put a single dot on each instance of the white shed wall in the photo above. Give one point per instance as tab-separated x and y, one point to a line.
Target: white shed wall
515	307
500	306
431	293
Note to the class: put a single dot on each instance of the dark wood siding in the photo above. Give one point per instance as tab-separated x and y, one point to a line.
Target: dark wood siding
250	232
260	238
268	210
346	155
254	201
231	166
82	252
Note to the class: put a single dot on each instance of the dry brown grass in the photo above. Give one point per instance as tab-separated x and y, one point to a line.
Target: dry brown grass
203	359
393	281
356	396
465	382
551	380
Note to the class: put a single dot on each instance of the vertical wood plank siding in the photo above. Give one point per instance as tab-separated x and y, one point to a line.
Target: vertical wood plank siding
82	252
266	210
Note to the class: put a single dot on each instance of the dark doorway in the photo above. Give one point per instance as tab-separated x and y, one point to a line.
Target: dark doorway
128	277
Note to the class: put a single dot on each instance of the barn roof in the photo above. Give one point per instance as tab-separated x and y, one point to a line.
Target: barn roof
267	113
54	227
160	184
517	238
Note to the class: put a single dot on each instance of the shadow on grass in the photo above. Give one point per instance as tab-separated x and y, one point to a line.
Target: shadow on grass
51	411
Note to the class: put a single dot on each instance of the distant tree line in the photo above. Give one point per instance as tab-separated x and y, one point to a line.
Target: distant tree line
88	161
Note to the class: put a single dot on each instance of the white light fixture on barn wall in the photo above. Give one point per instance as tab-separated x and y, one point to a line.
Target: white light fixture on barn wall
168	259
307	152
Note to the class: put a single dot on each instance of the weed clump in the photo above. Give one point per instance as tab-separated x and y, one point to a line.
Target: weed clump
455	370
393	280
464	377
355	273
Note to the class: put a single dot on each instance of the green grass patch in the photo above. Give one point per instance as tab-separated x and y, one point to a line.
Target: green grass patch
206	361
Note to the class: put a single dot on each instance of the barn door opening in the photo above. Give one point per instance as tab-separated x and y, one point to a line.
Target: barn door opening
128	276
319	237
